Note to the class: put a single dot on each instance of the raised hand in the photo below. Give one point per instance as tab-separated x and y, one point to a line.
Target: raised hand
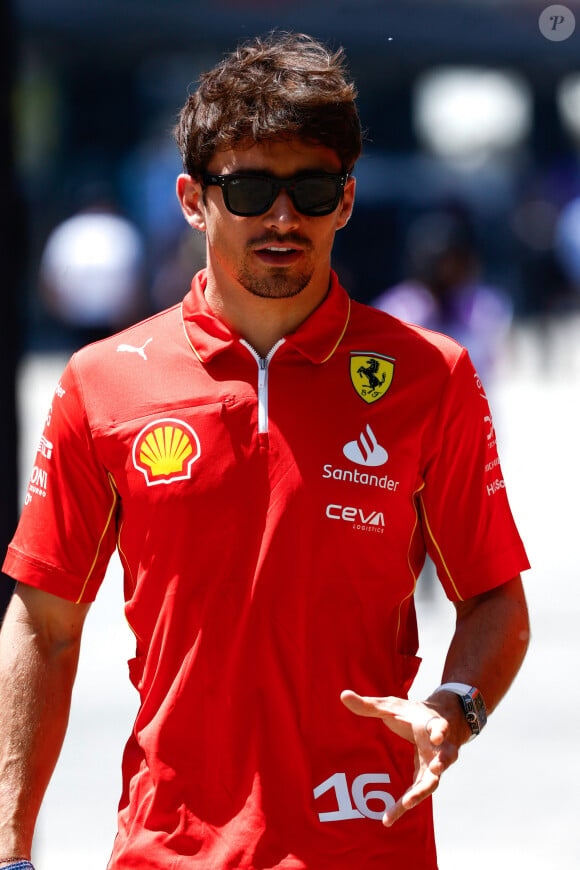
420	724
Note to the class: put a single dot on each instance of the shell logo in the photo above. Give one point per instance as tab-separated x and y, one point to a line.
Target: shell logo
165	450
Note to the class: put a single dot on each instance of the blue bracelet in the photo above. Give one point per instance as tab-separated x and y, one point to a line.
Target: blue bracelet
19	865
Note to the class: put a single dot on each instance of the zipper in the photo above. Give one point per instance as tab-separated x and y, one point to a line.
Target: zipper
263	363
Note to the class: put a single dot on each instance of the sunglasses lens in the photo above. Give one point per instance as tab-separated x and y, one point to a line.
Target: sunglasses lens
249	196
317	195
313	195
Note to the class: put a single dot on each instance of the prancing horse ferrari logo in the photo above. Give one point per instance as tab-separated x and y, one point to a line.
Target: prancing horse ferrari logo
371	375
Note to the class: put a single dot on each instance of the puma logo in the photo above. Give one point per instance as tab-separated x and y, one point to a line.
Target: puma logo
129	348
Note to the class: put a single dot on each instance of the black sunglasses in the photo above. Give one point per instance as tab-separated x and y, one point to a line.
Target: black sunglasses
314	195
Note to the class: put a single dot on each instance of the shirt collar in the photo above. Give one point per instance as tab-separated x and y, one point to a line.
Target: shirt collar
317	338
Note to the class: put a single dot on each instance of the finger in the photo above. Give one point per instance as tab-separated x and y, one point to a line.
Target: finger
435	728
398	714
446	755
437	765
364	706
418	792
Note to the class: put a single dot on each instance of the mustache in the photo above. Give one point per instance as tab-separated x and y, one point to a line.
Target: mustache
282	241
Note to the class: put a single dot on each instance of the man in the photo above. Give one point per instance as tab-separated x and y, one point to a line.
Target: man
272	462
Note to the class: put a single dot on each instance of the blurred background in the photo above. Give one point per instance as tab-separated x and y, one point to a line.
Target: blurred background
467	219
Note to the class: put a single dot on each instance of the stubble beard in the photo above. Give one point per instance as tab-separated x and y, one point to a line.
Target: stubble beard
277	285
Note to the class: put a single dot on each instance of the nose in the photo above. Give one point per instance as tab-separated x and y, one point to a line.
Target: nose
282	214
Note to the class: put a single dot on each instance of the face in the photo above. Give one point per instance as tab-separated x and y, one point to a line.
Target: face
279	254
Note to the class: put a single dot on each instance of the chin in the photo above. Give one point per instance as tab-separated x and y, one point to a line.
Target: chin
275	287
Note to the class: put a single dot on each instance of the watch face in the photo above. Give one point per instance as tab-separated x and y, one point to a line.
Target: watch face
479	707
473	722
475	712
472	703
472	717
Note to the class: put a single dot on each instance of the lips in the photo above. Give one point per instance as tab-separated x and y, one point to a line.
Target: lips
278	255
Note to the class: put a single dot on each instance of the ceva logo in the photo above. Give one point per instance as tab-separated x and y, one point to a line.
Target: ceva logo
355	515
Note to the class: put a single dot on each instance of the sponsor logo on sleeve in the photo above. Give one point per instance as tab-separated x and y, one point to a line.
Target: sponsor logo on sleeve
38	484
45	447
371	374
495	487
165	450
490	435
59	393
479	386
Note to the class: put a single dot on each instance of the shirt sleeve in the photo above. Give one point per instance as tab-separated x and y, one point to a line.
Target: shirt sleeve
468	525
67	529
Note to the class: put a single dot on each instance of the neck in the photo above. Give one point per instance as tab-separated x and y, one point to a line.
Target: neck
263	321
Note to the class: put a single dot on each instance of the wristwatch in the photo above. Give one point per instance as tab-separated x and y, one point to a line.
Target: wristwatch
472	703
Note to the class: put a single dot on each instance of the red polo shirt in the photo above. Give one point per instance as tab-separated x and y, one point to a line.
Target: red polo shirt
272	517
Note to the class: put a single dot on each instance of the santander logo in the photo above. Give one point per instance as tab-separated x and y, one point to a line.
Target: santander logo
366	450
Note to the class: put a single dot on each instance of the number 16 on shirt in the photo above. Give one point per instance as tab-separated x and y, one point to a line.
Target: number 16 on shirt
354	804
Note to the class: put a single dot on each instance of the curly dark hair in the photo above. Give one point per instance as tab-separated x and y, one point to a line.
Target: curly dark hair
281	86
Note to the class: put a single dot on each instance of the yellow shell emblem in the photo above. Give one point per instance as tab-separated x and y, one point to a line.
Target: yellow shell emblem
371	374
165	450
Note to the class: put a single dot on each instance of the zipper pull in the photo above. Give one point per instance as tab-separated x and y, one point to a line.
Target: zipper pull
262	368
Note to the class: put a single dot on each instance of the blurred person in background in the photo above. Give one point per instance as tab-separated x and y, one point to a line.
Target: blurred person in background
567	251
92	272
443	290
184	256
273	461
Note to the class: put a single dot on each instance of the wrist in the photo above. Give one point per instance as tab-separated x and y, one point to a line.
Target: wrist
448	705
471	706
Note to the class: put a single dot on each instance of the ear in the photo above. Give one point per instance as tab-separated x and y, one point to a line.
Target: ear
346	204
190	196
